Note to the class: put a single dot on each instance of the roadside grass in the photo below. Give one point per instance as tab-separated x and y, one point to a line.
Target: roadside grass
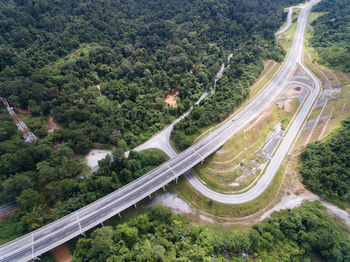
270	69
327	77
241	147
156	153
323	120
341	111
186	191
9	230
286	39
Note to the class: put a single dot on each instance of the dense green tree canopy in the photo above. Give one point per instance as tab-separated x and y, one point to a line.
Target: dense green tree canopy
325	166
331	36
102	70
44	178
55	54
291	235
231	89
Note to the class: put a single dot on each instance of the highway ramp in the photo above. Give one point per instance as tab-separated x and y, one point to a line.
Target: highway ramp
44	239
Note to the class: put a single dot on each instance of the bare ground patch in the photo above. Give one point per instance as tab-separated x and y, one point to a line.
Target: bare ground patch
171	98
61	253
52	125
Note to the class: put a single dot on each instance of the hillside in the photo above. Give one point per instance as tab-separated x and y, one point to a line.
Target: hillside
56	55
332	34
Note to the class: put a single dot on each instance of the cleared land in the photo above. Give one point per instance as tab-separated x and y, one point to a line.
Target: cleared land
286	39
334	111
333	105
270	69
243	157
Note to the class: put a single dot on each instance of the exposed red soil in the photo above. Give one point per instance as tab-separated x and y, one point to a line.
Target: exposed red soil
7	214
61	253
52	125
171	98
191	70
21	110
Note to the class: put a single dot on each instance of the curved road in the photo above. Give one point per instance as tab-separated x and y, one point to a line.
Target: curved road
161	140
289	21
275	162
44	239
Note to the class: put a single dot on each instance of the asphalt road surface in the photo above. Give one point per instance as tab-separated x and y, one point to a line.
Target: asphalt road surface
44	239
289	21
274	163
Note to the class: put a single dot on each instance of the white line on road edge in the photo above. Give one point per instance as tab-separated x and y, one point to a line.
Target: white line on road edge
33	256
171	169
197	153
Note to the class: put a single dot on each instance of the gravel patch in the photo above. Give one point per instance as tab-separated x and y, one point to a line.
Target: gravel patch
334	210
177	205
94	156
292	201
289	201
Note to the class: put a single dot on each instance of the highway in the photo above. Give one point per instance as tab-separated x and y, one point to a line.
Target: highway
44	239
289	20
274	163
288	139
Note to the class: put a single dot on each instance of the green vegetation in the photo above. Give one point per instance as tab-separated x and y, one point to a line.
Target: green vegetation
45	179
225	210
135	52
102	69
331	37
325	166
290	235
286	39
231	89
269	71
225	166
25	166
338	105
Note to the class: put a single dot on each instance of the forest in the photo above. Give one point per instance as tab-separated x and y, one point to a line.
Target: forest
331	36
53	189
325	166
290	235
231	90
48	182
102	69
